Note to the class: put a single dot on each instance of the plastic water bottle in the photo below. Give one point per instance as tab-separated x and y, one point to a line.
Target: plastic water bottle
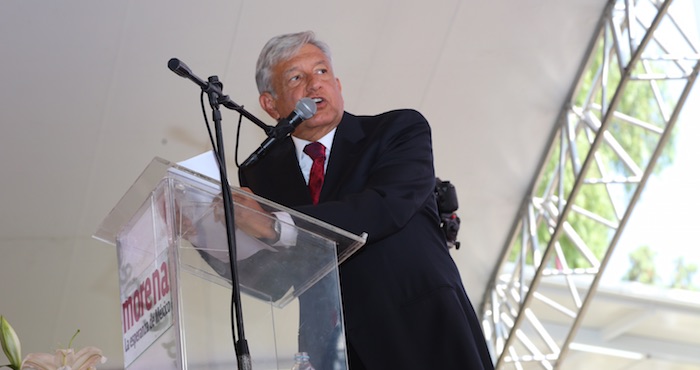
301	362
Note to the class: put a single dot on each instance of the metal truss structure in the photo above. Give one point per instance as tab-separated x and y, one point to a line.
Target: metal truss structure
609	138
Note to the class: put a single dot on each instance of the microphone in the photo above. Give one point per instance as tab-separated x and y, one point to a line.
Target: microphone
181	69
305	109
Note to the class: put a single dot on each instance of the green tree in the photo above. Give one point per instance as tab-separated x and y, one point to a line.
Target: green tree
642	267
683	276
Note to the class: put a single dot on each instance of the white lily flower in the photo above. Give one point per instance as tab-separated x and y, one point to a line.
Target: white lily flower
65	359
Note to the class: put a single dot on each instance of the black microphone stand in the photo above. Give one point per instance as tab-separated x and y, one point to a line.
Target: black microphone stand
213	88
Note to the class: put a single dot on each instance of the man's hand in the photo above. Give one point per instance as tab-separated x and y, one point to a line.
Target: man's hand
250	217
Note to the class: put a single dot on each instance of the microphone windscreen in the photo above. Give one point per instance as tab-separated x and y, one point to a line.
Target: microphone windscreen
179	67
306	108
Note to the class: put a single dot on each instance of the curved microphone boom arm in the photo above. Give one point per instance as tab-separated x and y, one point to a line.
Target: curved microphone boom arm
182	70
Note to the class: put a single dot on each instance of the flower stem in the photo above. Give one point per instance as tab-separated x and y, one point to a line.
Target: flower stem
70	344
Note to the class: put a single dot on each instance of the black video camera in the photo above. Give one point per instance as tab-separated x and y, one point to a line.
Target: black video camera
446	195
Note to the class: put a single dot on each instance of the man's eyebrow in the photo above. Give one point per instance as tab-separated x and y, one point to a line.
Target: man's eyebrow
295	68
289	70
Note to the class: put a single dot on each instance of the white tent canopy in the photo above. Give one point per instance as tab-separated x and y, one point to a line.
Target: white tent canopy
87	100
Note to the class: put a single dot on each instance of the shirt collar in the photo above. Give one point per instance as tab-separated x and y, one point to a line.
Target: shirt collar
326	140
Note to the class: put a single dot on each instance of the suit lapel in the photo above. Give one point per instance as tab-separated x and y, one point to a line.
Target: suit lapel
344	153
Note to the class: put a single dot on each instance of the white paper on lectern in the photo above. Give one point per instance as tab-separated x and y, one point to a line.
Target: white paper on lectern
204	163
210	232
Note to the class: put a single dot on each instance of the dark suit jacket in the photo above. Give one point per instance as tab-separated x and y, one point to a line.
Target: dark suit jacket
404	303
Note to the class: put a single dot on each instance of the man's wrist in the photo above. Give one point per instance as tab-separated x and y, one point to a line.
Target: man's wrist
277	228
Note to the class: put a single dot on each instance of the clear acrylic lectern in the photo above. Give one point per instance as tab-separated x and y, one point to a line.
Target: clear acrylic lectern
175	279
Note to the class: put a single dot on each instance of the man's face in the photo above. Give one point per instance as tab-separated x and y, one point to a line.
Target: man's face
307	74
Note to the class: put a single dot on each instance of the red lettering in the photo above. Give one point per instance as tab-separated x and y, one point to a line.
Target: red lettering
155	280
148	294
127	314
138	303
145	297
164	282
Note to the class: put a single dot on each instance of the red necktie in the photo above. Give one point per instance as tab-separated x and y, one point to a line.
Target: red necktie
317	152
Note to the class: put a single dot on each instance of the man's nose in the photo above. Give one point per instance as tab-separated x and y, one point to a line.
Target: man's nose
314	83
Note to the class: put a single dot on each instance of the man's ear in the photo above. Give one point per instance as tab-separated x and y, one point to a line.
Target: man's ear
268	103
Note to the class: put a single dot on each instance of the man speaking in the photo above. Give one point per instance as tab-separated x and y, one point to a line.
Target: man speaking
404	305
